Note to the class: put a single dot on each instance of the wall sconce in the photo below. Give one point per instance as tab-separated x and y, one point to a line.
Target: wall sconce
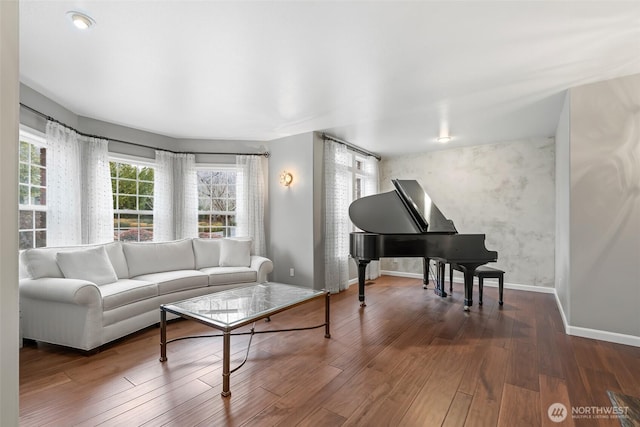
286	178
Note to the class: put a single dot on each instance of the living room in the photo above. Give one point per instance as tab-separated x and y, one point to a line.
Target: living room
556	205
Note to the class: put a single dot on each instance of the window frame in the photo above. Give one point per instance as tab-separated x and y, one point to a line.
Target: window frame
229	230
139	162
38	139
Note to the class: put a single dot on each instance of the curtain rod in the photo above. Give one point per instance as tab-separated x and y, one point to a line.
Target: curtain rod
33	110
351	146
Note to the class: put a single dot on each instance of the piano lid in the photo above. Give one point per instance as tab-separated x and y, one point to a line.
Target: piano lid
407	210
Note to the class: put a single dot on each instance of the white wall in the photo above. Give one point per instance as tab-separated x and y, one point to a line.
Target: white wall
291	210
605	206
151	140
563	206
505	191
9	117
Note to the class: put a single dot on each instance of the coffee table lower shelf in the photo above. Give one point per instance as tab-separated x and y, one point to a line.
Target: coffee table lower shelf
227	327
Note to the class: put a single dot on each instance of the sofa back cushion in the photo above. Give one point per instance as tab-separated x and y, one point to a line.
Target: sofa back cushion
235	253
207	252
145	258
41	262
88	264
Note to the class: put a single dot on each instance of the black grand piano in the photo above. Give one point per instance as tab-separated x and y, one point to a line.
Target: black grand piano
406	223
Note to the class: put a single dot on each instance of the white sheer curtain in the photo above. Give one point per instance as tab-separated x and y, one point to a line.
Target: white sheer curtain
97	195
337	188
175	197
371	186
64	211
79	198
250	200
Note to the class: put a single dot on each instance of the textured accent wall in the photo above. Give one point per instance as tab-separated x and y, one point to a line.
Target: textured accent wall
605	206
505	191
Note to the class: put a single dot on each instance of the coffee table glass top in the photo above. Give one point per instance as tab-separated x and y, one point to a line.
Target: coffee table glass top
234	307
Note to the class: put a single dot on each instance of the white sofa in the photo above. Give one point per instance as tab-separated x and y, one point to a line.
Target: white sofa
86	296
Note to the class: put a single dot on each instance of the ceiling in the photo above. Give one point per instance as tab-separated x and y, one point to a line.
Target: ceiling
387	76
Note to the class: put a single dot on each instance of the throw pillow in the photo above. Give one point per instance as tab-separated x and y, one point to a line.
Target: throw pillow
92	265
235	253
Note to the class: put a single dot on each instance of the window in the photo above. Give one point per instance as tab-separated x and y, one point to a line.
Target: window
216	202
132	186
32	190
358	177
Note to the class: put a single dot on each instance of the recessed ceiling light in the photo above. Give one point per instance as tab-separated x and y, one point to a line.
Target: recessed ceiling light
444	139
81	20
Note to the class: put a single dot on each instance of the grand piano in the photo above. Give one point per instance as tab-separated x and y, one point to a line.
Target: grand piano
406	223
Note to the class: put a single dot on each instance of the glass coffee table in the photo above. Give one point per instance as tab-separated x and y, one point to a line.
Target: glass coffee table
234	308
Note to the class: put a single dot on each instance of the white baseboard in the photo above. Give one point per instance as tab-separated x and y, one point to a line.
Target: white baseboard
489	283
569	329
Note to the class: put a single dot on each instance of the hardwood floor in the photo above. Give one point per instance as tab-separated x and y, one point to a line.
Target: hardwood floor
409	358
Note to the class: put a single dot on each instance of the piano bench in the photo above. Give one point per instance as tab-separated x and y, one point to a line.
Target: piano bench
484	272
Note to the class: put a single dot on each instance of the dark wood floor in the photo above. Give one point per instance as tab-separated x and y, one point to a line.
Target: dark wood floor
409	358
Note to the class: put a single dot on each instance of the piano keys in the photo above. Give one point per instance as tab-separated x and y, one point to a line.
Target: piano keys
406	223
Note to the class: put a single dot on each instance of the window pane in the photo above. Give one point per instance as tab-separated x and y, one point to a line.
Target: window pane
128	235
24	151
26	239
127	186
218	221
36	175
32	191
231	220
127	202
146	174
127	220
203	220
41	219
204	204
41	239
146	221
24	173
38	156
146	234
232	205
145	204
36	196
23	197
145	188
26	220
219	205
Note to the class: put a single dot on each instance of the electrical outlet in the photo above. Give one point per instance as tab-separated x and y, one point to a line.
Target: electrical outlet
291	272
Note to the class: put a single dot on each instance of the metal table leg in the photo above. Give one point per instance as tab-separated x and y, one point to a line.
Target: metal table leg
226	355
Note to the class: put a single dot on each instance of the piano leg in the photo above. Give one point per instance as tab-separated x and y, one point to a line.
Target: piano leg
468	271
439	289
362	267
425	272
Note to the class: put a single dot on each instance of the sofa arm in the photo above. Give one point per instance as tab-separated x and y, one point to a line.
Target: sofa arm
74	291
262	265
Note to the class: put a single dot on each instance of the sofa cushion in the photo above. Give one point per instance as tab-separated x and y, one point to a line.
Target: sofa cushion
119	262
173	281
207	252
126	291
90	264
235	253
42	262
230	275
145	258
